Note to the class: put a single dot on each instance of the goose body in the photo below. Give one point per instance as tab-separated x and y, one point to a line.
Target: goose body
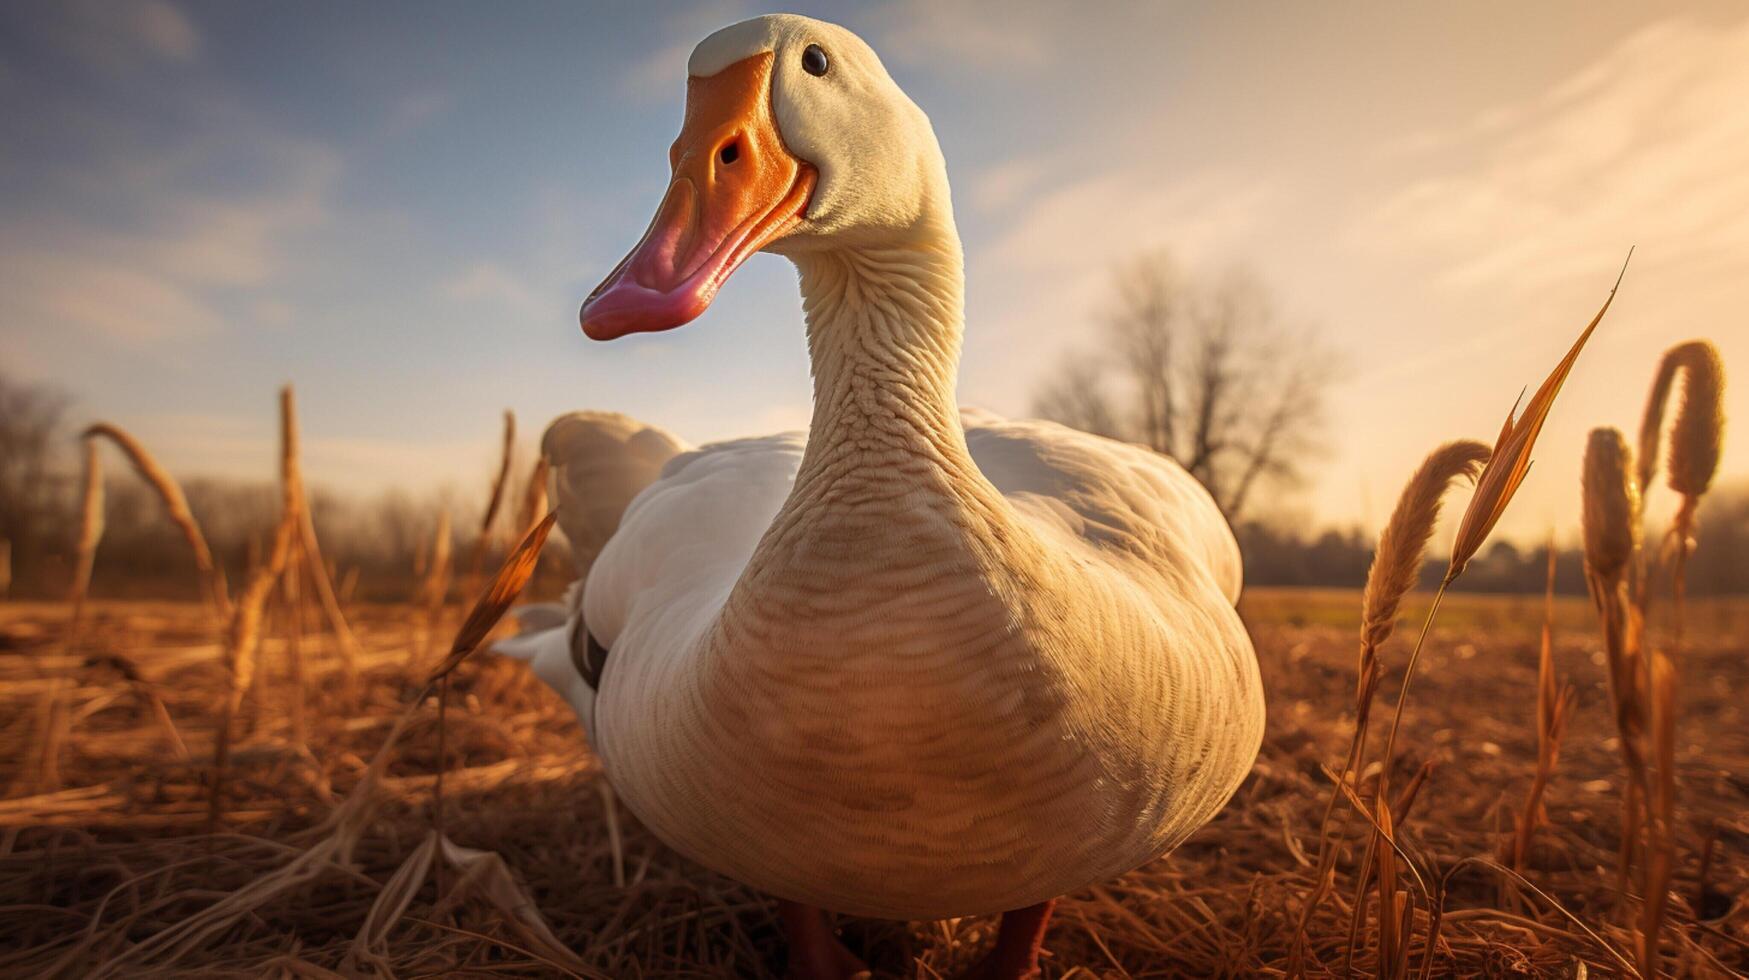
914	663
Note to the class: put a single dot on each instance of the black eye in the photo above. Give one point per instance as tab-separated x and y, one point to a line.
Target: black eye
814	61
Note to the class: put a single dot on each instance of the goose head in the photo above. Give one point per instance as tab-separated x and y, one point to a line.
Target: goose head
795	138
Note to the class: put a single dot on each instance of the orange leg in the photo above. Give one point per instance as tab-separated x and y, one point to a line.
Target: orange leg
1017	944
814	952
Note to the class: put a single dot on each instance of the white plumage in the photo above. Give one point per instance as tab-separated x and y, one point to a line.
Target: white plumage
914	664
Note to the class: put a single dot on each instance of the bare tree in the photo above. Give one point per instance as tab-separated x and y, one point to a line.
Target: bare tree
32	515
1207	374
1076	397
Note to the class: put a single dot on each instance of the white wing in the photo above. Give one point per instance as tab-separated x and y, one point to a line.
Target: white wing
684	541
1114	496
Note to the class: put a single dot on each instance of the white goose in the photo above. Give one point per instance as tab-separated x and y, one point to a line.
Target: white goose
918	663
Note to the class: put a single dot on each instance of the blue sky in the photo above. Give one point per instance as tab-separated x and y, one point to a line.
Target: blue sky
399	208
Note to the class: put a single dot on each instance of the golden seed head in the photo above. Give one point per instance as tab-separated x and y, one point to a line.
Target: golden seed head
1611	511
1396	566
1698	432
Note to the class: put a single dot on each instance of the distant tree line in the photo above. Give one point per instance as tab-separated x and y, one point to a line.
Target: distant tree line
1281	555
382	542
387	539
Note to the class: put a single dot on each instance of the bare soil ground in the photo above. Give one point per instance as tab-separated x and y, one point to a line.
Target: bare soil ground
107	846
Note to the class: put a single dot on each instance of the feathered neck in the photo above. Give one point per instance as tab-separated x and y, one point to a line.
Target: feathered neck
884	331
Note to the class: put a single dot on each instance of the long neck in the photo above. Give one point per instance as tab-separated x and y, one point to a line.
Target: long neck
884	331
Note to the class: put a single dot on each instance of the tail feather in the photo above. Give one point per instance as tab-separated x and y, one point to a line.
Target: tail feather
600	461
541	616
548	653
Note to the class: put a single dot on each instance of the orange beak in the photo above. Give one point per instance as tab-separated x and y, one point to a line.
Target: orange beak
736	189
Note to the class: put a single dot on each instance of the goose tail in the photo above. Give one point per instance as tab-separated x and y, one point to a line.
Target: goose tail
549	630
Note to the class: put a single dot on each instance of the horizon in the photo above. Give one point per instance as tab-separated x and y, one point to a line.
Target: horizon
399	217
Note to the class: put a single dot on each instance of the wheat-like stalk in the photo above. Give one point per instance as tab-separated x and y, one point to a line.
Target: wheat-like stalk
1611	517
435	588
90	534
242	639
1695	440
1554	702
517	569
483	541
293	598
309	546
1610	505
1661	812
175	505
1396	567
502	480
243	633
51	725
534	496
1698	433
1510	463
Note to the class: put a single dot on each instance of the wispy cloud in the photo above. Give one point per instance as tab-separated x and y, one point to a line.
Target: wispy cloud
982	36
662	73
161	277
1648	145
122	36
491	282
129	235
1001	186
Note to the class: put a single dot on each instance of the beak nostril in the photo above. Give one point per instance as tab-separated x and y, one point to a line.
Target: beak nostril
730	152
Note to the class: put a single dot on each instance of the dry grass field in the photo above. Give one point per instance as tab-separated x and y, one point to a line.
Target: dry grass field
112	870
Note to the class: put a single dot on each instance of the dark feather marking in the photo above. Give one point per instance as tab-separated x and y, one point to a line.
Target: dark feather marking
589	656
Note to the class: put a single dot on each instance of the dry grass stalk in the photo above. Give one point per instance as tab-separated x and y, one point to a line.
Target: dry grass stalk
1396	914
50	727
483	541
1510	462
335	842
1642	686
175	505
1611	508
1505	471
147	695
434	590
310	548
1396	568
1610	511
1661	814
1554	703
534	496
243	635
90	533
479	867
242	640
1695	441
294	643
1501	476
481	872
517	569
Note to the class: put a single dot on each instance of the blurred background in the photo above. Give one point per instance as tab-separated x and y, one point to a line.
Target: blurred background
1293	247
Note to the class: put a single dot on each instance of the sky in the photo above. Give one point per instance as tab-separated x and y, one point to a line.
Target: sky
398	208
